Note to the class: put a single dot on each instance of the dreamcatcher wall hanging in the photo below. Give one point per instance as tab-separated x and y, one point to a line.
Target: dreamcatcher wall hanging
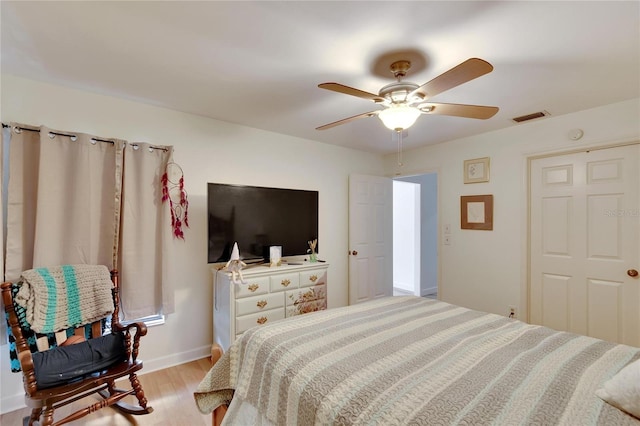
174	192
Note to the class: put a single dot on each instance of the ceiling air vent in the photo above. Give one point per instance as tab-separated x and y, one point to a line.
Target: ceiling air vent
532	116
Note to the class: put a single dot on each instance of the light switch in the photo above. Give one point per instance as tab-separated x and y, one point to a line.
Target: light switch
447	240
447	228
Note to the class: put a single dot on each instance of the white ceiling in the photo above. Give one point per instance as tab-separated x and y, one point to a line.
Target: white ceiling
259	63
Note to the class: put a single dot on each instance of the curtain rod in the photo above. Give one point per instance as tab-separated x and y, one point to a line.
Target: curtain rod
74	136
57	134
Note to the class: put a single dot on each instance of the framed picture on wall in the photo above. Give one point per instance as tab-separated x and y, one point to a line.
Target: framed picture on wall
476	170
476	212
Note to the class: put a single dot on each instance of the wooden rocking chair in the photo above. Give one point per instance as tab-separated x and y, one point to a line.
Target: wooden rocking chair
43	400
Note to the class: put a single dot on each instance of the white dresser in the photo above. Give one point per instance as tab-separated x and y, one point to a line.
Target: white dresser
269	294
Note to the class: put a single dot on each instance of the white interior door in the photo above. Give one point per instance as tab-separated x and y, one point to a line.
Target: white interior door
370	237
585	237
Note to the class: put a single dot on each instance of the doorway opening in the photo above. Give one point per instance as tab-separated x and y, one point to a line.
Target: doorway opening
415	235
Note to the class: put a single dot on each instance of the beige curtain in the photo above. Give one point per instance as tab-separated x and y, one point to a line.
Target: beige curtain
61	201
2	171
5	137
145	224
76	198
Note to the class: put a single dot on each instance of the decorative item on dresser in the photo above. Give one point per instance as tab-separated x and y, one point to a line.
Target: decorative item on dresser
235	265
270	294
313	256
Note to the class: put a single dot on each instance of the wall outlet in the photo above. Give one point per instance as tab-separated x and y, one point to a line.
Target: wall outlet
512	312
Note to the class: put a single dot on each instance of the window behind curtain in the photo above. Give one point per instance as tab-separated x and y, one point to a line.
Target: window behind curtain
76	198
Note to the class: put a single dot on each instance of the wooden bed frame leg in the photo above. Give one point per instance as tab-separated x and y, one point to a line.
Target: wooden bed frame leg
216	353
218	413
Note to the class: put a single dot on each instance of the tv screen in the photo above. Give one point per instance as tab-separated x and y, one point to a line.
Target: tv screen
257	218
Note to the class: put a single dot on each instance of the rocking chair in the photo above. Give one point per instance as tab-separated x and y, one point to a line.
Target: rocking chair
80	362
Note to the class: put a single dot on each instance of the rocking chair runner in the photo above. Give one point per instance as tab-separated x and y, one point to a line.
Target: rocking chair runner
43	400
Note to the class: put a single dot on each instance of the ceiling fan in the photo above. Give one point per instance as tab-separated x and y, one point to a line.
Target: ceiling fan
404	101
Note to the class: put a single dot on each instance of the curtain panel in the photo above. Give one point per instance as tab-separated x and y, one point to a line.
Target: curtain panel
145	226
75	198
3	169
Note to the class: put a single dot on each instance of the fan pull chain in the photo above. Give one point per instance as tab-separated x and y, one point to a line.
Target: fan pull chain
399	133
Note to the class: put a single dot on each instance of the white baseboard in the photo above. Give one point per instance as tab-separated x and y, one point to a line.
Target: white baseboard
429	290
16	401
155	364
12	402
424	292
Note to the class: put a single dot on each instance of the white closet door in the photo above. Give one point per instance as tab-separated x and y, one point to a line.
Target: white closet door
585	234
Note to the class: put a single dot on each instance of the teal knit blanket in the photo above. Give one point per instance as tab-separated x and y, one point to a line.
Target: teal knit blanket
61	297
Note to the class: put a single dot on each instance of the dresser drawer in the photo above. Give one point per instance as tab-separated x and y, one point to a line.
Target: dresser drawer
309	278
253	287
251	305
284	281
306	294
306	307
245	322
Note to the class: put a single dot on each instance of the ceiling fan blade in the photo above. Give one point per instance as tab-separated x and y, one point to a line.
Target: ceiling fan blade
459	110
341	88
462	73
346	120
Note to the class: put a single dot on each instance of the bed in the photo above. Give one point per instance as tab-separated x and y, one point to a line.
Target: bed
415	361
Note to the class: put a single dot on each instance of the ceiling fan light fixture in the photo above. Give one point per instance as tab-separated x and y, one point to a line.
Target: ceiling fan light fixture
404	100
399	117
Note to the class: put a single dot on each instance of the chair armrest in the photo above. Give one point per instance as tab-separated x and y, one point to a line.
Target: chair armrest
137	329
141	328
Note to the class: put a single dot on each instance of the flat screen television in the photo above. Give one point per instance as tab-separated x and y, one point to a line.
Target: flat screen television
258	218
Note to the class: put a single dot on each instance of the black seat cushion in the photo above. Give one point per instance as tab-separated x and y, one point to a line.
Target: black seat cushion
31	336
65	364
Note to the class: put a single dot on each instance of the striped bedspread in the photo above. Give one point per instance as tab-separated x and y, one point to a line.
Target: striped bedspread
414	361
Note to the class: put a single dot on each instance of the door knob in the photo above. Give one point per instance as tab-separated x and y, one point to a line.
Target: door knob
632	273
355	252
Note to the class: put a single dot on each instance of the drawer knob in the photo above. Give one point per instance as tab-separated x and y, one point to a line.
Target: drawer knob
285	283
261	304
253	287
313	278
261	320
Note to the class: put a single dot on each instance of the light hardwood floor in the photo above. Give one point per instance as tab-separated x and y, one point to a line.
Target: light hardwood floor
169	392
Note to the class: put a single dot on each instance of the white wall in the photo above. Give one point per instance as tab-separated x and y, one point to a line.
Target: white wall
487	270
208	151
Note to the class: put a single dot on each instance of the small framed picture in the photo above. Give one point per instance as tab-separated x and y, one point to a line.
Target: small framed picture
476	170
476	212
